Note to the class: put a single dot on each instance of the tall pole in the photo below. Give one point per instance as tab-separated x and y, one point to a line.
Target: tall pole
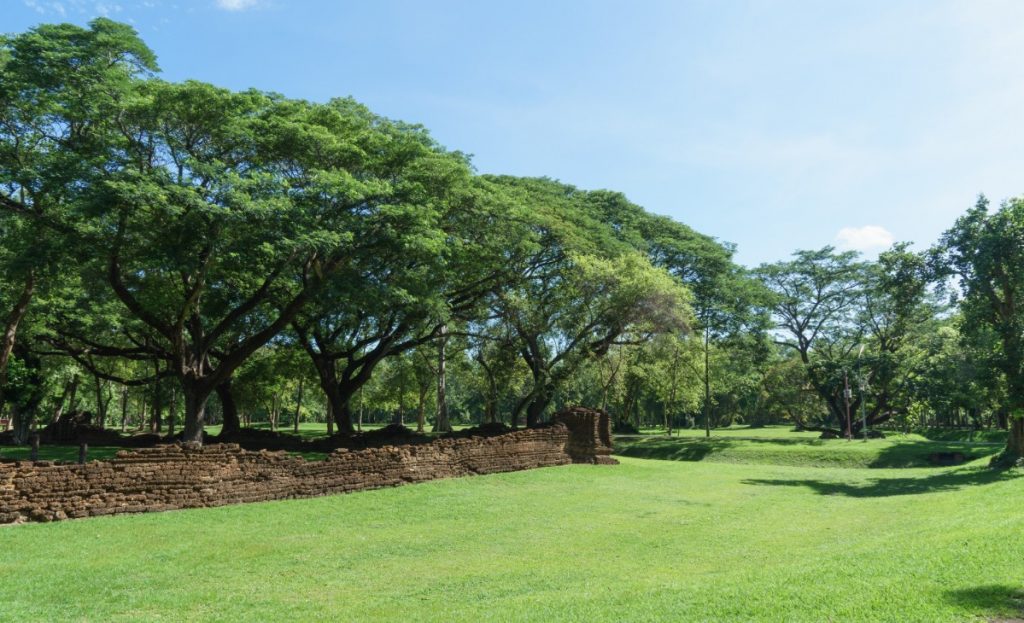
846	398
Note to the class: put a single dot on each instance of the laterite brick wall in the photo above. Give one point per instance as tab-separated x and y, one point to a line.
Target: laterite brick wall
175	477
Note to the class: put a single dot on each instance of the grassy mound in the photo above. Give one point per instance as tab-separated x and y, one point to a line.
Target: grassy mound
643	541
799	451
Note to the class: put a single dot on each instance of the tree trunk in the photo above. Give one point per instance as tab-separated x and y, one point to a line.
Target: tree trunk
69	390
275	408
338	394
707	381
101	404
229	410
124	408
359	422
421	414
539	403
195	410
21	424
155	423
442	424
298	408
1015	443
170	412
11	329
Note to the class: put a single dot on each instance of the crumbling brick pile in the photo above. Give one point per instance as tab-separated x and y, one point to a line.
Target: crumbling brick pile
179	476
590	439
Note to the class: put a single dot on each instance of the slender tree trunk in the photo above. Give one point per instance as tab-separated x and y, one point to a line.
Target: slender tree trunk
145	414
124	408
492	401
359	422
170	412
275	408
67	398
229	410
298	407
401	401
101	405
155	424
707	381
421	411
442	424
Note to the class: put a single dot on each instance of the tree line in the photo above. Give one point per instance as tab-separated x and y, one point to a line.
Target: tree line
183	248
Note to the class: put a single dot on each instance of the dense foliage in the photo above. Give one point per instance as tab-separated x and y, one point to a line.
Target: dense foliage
179	255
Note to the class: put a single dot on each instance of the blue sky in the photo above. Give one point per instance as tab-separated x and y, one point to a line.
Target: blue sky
774	125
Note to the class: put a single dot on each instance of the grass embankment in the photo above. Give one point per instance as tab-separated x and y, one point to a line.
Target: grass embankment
646	540
799	450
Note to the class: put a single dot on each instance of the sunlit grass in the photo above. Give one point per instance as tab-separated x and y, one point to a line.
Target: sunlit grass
642	541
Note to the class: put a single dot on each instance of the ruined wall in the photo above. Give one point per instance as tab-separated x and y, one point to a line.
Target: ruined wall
174	477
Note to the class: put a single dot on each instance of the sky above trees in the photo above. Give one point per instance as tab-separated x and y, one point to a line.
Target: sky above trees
775	126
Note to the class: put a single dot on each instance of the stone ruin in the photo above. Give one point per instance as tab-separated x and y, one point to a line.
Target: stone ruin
171	477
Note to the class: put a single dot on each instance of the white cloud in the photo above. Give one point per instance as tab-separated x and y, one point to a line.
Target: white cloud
864	239
236	5
44	8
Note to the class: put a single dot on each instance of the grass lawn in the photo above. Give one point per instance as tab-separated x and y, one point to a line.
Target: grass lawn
645	540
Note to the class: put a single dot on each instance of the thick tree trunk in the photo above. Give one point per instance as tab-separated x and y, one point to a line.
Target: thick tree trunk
341	407
535	409
229	410
1015	443
21	424
338	393
195	411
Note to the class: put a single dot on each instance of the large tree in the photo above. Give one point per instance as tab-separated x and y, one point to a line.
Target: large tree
424	258
984	250
61	90
577	288
224	214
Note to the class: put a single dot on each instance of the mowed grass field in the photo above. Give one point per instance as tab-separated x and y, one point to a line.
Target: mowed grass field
647	540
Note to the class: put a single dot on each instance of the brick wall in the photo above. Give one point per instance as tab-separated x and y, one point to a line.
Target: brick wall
174	476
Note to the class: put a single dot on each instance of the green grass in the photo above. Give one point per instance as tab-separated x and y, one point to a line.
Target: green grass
642	541
798	451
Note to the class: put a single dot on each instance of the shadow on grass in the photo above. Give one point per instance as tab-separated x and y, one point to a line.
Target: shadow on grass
992	600
678	449
885	487
918	453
